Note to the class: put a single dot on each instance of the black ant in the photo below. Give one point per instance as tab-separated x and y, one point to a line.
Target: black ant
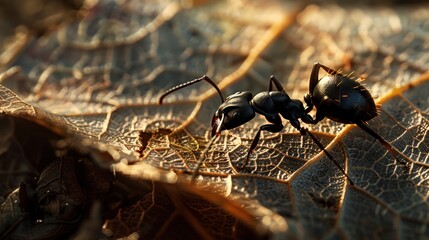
335	96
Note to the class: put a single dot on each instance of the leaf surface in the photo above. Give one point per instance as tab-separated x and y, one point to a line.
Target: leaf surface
97	81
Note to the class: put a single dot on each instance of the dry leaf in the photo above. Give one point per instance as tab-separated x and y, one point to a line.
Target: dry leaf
92	89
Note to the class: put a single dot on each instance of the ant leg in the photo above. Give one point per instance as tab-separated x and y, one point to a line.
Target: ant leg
305	131
329	70
314	76
183	85
309	102
267	127
276	83
307	119
202	158
319	117
389	148
276	126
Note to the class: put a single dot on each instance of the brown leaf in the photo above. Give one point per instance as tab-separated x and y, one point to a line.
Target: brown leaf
96	83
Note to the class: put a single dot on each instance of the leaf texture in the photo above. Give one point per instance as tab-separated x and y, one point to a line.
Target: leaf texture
95	84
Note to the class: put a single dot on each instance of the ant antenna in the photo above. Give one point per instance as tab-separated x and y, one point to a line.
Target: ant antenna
304	131
218	129
205	78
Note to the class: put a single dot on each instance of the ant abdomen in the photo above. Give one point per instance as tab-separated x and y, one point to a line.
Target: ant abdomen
343	100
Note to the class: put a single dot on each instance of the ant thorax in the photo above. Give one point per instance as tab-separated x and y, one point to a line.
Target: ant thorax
267	103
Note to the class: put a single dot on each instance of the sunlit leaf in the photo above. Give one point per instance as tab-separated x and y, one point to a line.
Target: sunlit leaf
92	88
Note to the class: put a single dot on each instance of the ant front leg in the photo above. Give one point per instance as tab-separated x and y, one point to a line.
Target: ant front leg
277	126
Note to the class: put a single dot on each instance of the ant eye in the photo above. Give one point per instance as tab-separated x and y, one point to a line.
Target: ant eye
236	115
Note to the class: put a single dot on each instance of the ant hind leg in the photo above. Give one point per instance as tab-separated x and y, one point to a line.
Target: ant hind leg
305	131
276	83
314	76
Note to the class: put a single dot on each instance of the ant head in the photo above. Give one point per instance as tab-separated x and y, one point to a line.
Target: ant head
235	111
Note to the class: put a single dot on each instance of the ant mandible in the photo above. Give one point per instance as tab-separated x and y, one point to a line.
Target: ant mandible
335	96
